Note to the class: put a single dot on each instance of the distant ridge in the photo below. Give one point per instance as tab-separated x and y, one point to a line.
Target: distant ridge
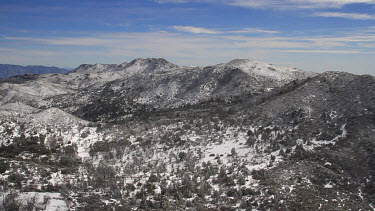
8	70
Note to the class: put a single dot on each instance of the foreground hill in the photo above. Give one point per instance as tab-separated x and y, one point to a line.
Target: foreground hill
7	70
148	134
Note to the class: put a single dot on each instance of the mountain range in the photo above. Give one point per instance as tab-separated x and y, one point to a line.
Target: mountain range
8	70
148	134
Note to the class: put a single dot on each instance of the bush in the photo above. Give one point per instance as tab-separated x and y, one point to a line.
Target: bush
153	178
259	174
105	171
130	187
11	203
182	156
68	161
99	146
232	192
22	144
15	178
3	166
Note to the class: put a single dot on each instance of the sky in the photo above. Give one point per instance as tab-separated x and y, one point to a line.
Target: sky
313	35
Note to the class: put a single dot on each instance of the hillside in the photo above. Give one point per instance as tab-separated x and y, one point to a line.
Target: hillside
150	135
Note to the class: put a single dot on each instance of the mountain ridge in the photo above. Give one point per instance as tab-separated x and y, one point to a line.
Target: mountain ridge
8	70
241	135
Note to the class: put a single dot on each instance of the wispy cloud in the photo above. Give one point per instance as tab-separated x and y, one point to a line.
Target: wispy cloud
172	1
279	4
195	30
323	51
356	16
30	52
296	4
149	41
254	30
182	47
201	30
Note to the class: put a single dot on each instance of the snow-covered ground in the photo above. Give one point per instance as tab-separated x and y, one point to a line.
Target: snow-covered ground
38	201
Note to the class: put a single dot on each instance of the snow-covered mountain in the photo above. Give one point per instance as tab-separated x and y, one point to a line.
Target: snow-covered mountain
150	83
148	134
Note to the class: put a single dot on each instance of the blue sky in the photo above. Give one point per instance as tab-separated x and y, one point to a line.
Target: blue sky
314	35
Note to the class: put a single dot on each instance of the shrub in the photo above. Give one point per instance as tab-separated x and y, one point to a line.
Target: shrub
182	156
153	178
3	166
68	161
10	202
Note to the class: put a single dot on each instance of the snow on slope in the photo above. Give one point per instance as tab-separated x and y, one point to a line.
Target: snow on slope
93	68
224	80
37	88
149	66
18	107
55	116
154	82
83	138
137	66
270	71
98	74
32	93
43	201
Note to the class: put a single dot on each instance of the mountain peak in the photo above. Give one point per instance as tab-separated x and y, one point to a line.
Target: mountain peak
93	68
239	62
158	61
274	72
149	65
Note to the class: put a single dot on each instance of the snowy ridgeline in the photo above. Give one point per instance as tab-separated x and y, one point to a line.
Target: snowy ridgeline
153	82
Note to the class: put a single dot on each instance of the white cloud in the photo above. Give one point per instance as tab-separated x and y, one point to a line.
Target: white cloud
279	4
184	42
172	1
323	51
195	30
356	16
184	48
30	52
205	38
296	4
254	30
201	30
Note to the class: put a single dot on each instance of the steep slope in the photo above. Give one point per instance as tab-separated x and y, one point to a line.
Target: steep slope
330	94
57	117
329	121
